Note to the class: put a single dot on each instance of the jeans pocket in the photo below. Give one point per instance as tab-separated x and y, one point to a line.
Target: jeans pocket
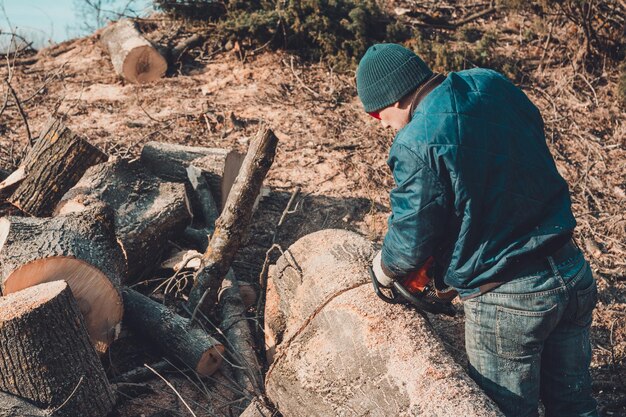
586	300
521	333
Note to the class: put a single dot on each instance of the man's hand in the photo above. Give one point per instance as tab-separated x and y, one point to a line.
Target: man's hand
379	274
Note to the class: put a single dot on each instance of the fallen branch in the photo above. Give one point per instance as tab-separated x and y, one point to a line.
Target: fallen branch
172	333
142	373
233	223
458	23
235	326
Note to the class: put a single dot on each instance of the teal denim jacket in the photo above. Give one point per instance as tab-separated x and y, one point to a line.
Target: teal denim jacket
476	186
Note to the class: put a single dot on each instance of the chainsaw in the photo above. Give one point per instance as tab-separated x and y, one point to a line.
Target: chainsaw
418	291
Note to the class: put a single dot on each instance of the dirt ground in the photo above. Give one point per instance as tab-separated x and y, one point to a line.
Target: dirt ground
335	154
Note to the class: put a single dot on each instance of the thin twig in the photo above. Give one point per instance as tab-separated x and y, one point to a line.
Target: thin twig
21	111
173	389
70	396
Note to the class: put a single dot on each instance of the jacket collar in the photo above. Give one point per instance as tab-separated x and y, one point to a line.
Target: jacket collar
428	86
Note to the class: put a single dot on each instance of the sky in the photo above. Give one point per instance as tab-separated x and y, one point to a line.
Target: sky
46	22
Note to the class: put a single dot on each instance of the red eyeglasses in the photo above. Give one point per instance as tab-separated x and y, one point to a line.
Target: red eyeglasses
374	114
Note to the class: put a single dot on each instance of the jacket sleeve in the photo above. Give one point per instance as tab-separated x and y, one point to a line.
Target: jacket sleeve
419	209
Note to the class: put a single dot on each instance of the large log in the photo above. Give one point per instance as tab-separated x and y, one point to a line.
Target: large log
172	333
133	57
80	249
342	351
55	163
232	225
45	354
170	161
148	210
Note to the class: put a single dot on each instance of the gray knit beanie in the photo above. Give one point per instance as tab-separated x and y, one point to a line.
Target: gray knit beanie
387	72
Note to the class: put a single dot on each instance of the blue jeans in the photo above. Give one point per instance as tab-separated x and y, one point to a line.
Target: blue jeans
529	339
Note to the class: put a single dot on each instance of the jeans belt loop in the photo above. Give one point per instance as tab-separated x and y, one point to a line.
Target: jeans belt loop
555	270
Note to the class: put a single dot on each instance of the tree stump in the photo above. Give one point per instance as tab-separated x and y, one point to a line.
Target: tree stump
56	162
148	210
80	249
172	333
133	57
45	354
170	161
342	351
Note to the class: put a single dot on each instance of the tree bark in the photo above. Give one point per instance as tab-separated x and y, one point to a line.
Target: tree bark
234	325
172	333
45	354
80	249
133	57
233	223
342	351
53	166
148	210
205	199
170	161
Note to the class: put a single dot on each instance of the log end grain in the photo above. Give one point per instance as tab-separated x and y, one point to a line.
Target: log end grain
143	65
210	361
25	301
98	300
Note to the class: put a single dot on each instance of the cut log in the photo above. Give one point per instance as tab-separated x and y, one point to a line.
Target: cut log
232	225
172	333
234	325
170	161
342	351
148	210
53	166
133	57
80	249
45	354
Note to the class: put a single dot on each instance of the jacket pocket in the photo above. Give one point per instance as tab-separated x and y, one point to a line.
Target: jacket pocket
586	301
521	333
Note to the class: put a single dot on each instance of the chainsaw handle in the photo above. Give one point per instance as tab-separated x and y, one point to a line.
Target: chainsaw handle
378	292
434	308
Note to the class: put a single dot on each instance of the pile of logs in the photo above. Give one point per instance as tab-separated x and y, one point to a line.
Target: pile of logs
86	227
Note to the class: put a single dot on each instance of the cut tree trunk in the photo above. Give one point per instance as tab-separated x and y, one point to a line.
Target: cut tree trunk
133	57
232	226
342	351
56	162
80	249
234	325
45	354
148	210
172	333
170	161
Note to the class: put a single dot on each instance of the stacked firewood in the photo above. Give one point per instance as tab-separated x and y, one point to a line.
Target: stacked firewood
86	227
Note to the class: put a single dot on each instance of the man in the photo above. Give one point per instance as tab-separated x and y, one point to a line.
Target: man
477	190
